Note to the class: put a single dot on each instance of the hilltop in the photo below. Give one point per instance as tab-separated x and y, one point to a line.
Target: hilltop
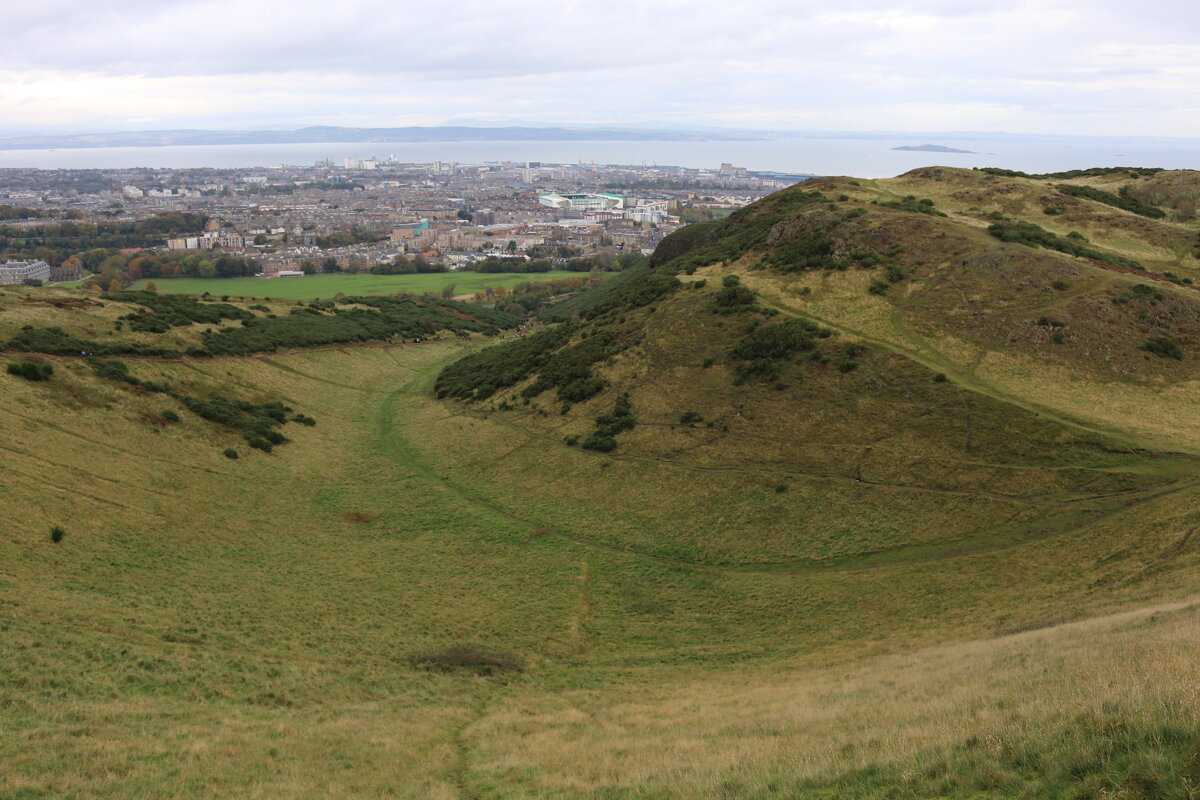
871	490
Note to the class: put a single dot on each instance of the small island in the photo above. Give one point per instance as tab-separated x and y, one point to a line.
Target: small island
932	148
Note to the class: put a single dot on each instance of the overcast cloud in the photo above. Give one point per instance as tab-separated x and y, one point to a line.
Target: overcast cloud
1073	67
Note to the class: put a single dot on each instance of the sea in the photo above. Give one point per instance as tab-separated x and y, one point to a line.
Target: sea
860	157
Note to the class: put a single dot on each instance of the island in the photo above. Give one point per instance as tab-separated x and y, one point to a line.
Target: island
932	148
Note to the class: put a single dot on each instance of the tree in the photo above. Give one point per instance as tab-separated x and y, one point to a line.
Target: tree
260	239
151	288
448	291
330	265
114	285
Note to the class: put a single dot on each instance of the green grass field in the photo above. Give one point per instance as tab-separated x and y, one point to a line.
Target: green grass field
314	286
965	569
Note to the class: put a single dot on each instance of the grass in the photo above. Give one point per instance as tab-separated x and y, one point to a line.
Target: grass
235	628
969	588
311	287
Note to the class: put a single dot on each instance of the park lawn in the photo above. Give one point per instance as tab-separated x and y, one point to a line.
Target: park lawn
313	286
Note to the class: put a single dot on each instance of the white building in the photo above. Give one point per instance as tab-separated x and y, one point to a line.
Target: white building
12	272
582	202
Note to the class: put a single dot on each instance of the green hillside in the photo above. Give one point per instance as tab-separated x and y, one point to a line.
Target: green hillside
840	498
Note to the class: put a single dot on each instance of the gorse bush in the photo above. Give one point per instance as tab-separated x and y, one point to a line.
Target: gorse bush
1031	235
31	371
609	426
1124	200
779	340
1164	347
911	203
256	422
168	311
384	319
55	341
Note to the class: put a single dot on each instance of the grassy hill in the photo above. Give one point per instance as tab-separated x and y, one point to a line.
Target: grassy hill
899	543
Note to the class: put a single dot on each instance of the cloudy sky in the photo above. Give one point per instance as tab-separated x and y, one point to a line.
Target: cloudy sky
1110	67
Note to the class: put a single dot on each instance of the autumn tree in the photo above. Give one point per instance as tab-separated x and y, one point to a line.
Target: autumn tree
151	288
114	285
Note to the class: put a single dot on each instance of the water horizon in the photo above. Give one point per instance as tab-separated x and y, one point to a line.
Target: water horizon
865	158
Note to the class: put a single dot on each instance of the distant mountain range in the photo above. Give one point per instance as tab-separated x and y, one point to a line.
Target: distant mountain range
319	134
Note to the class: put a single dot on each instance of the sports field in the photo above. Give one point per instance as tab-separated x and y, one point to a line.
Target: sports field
314	286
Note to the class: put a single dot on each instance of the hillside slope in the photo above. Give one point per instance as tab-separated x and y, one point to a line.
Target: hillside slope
838	499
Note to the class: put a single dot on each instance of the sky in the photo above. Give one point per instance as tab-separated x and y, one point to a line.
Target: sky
1090	67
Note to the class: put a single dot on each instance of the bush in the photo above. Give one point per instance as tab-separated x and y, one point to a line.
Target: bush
469	657
600	443
1031	235
690	418
1164	347
57	534
847	365
1061	286
940	378
1124	200
878	287
31	371
169	416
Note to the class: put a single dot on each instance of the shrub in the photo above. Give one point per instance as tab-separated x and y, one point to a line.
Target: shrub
231	453
1061	286
169	416
690	418
1058	337
1124	200
57	534
847	365
600	443
469	657
1031	235
31	371
730	280
896	273
940	378
878	287
1164	347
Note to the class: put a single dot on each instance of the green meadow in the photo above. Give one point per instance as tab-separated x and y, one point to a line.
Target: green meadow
311	287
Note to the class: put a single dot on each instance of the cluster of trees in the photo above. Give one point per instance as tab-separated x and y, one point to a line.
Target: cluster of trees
347	238
56	242
403	265
18	212
113	270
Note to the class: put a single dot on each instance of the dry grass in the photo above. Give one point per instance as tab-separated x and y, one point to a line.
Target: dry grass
763	732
